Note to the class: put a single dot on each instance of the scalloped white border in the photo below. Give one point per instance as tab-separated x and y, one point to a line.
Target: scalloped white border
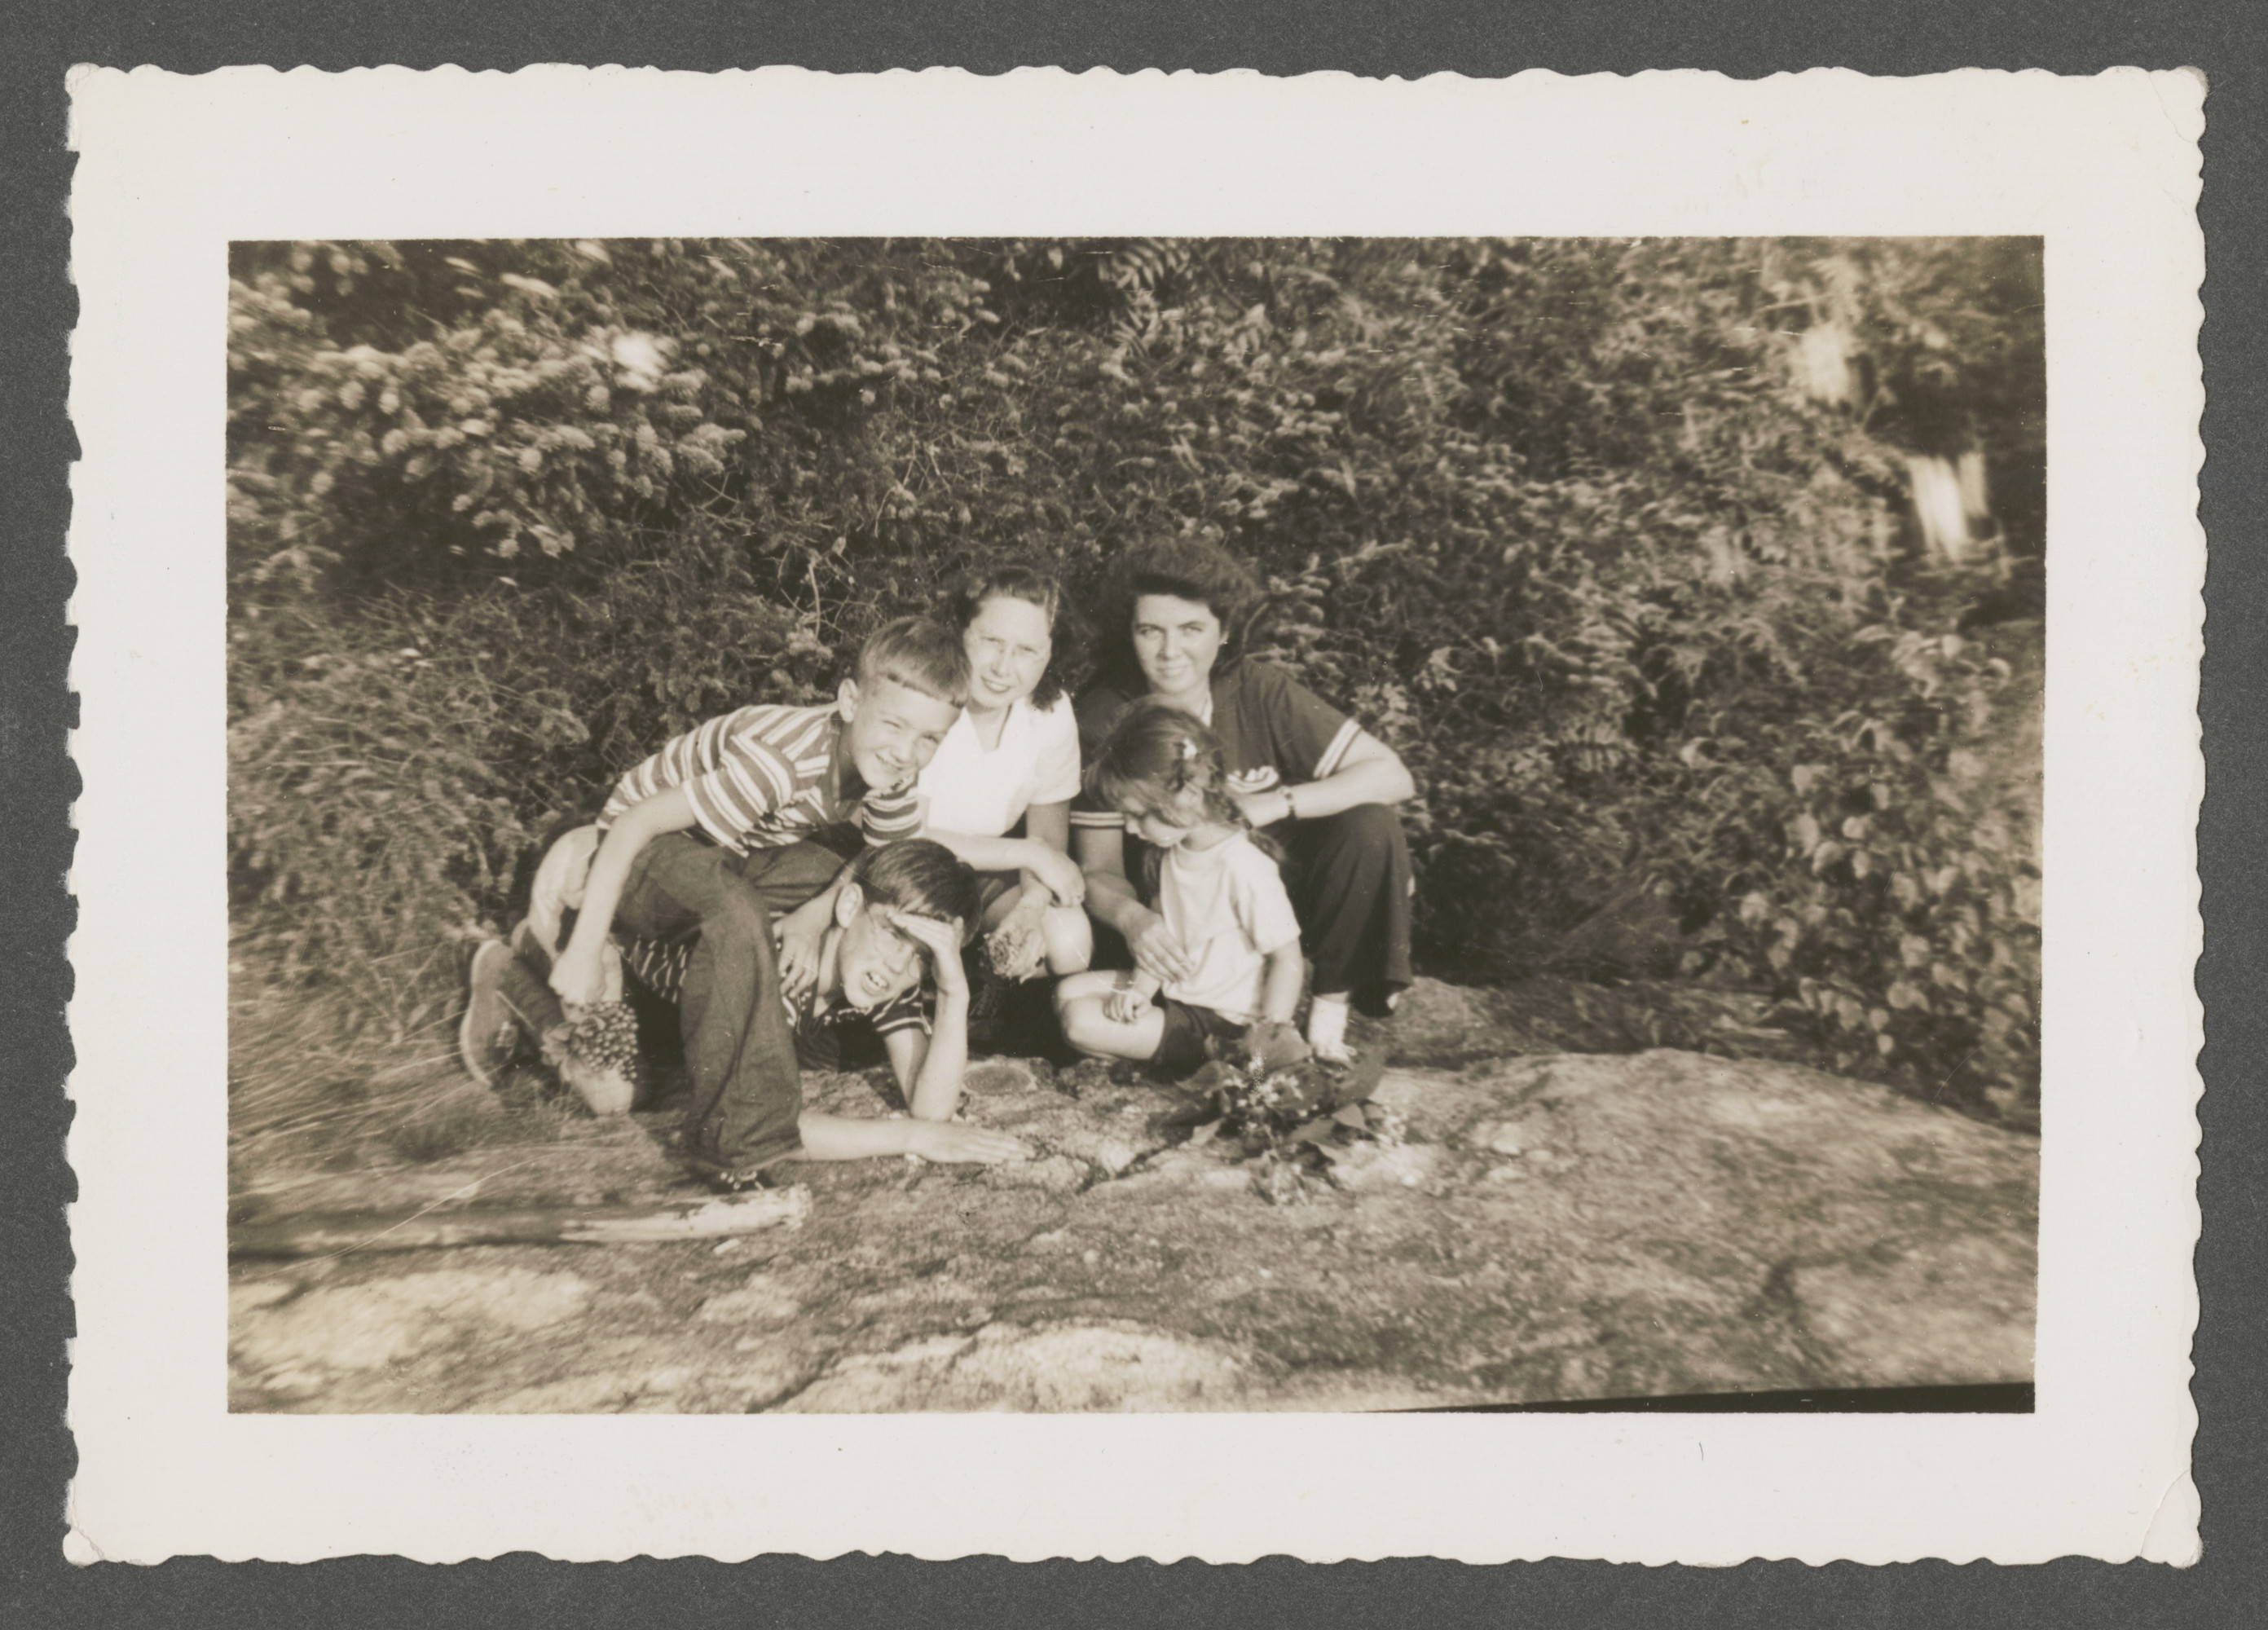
173	167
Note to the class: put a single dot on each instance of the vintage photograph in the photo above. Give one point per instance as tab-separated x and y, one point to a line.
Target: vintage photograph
854	825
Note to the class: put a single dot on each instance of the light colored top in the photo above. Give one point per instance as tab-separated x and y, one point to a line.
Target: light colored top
984	794
1226	905
764	778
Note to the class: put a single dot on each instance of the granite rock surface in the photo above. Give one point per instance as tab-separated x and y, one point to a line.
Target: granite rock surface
1558	1225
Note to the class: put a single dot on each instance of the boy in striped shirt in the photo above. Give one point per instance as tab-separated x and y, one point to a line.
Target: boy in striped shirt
709	839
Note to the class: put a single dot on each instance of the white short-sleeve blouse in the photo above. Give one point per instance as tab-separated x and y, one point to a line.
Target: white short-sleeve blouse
984	794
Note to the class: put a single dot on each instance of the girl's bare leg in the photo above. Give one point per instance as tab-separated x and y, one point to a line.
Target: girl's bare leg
1079	1004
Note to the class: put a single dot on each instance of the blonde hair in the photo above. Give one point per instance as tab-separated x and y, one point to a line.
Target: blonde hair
919	653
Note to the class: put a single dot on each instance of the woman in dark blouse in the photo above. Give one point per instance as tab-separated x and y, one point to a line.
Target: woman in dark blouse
1317	782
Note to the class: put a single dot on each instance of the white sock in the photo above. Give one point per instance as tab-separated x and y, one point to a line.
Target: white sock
1326	1024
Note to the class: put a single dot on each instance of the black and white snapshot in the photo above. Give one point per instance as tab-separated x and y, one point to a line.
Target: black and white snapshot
1134	824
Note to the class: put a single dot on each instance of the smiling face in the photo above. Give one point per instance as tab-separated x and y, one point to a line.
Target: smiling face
1009	644
1176	641
892	730
875	961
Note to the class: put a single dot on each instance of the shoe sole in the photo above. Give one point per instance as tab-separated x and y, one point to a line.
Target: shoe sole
469	1052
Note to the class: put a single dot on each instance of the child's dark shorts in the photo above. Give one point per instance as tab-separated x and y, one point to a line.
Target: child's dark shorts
1183	1046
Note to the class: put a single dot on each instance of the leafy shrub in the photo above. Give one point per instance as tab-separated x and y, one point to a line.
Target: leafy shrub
1901	918
406	408
365	816
1588	531
391	771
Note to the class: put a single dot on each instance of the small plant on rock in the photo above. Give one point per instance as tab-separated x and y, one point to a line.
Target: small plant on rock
1292	1120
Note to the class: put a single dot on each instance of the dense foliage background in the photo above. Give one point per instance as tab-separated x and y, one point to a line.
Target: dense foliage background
1613	541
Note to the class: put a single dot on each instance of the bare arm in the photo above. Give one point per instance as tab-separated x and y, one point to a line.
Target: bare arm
1371	773
986	854
579	975
846	1138
1271	1041
1052	869
929	1067
1049	825
1100	851
1101	854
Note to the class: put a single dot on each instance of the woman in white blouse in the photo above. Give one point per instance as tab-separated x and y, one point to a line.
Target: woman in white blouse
998	792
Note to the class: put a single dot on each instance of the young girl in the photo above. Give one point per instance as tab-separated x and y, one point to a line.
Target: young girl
999	793
1220	895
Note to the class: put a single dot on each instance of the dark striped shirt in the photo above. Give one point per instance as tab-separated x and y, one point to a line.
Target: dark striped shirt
661	967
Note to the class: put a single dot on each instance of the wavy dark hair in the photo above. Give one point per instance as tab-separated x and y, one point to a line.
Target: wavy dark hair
1187	569
1026	580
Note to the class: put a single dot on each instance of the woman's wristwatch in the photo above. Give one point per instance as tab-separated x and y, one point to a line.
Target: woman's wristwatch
1291	809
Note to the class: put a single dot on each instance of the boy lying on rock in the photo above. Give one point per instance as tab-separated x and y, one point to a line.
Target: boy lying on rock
697	850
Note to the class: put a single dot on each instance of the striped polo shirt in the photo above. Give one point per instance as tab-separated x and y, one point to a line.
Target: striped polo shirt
766	776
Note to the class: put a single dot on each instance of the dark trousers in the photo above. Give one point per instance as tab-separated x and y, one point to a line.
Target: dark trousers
1349	877
740	1038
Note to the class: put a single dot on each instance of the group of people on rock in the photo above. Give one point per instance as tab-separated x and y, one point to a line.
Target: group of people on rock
1174	848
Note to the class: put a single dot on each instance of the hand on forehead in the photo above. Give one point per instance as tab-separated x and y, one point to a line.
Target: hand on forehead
914	924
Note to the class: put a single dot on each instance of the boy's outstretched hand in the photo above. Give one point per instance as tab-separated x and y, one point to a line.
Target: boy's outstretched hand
950	1142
